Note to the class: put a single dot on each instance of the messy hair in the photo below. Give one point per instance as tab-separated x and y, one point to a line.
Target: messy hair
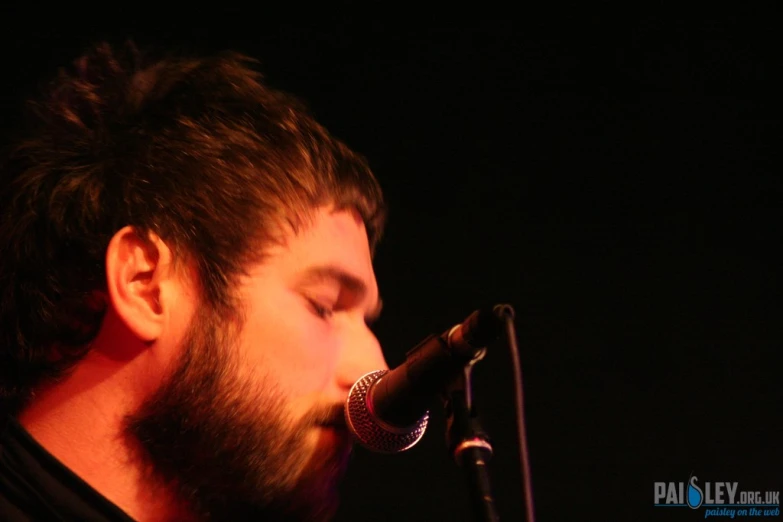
197	150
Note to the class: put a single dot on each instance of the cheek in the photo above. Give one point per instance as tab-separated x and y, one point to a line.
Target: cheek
312	357
292	345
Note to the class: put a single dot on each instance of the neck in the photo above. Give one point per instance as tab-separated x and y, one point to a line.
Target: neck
79	420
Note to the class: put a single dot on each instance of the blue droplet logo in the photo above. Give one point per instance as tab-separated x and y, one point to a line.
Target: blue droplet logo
695	494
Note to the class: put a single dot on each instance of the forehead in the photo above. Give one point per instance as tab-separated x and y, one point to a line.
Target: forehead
330	237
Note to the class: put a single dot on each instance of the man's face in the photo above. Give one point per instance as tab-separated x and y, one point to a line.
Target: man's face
249	425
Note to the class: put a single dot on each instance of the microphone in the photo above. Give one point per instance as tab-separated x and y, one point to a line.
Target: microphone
388	411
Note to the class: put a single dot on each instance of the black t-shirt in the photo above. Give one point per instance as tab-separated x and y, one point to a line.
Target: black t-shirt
35	486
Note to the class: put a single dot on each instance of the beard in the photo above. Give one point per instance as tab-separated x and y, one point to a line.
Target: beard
226	447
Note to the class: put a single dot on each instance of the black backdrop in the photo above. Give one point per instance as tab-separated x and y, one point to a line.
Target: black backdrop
614	177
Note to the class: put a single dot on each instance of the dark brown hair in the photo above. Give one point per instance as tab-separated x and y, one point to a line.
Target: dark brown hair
197	150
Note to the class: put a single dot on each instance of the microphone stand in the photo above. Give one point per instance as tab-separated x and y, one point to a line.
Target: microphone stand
469	444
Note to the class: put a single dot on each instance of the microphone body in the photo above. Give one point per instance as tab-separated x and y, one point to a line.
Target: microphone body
387	411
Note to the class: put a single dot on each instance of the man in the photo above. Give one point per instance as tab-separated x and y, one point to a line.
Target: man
186	283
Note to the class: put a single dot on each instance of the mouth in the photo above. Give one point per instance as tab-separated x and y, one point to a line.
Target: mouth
335	439
335	425
339	429
333	422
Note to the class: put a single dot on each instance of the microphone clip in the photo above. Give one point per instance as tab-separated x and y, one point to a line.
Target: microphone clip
463	429
468	443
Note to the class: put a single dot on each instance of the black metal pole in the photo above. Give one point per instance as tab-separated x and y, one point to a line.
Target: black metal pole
471	449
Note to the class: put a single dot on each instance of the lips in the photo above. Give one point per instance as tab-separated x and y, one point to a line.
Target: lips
335	420
338	426
340	430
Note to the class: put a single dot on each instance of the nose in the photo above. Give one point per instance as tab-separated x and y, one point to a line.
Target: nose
361	354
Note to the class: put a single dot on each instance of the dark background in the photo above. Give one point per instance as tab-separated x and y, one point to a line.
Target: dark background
616	177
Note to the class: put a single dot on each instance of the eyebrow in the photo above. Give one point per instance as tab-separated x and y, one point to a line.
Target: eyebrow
349	281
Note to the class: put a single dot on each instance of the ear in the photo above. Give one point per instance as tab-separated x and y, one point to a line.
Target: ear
138	271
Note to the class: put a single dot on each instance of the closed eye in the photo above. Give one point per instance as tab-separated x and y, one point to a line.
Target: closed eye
320	310
350	289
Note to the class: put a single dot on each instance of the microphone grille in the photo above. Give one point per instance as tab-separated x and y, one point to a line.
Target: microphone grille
371	432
